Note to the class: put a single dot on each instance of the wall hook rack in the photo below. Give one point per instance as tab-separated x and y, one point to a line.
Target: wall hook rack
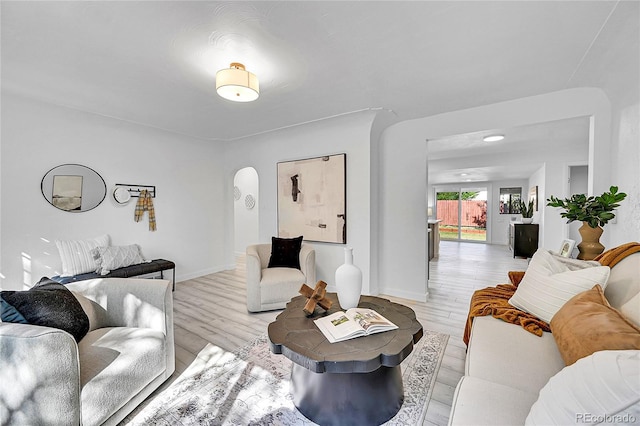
135	190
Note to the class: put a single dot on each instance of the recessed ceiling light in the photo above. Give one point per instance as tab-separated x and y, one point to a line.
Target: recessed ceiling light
493	138
464	174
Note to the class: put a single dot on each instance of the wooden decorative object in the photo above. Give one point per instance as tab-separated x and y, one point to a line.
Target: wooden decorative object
315	296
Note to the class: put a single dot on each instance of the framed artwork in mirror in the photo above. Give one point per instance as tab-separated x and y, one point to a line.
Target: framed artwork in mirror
67	192
312	199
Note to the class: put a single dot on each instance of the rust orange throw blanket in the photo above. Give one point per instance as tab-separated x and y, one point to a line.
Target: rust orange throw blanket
495	300
611	257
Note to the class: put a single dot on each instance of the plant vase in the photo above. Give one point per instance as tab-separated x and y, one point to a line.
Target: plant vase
527	220
590	245
348	281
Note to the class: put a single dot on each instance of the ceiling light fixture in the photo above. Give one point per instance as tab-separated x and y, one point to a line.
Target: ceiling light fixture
237	84
493	138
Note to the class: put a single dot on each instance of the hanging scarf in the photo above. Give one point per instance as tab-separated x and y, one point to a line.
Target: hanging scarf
145	203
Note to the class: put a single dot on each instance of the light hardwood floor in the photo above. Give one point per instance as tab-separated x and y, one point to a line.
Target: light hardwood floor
212	309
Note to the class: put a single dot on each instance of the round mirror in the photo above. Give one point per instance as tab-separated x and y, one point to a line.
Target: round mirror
73	188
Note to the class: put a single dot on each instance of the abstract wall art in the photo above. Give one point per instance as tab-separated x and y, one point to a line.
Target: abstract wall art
312	199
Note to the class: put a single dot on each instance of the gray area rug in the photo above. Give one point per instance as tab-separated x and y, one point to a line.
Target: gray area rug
251	387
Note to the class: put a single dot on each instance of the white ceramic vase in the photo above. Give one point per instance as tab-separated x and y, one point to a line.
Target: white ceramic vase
348	281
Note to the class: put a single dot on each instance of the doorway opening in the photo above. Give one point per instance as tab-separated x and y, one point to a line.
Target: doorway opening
462	214
245	209
578	184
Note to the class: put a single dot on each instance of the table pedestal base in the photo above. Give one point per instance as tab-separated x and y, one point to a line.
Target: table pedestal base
348	398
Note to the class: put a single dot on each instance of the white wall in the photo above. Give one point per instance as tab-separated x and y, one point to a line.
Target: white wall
618	75
245	219
626	174
402	247
346	134
187	174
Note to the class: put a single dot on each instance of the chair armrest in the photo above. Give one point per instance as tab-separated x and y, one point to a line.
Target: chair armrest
254	275
308	264
132	302
253	264
39	376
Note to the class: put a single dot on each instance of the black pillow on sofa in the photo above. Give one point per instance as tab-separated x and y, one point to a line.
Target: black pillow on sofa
49	304
285	252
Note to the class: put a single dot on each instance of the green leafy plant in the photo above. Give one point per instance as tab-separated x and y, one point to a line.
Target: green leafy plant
526	210
594	210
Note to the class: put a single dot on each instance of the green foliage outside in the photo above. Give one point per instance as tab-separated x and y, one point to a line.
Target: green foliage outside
466	195
450	232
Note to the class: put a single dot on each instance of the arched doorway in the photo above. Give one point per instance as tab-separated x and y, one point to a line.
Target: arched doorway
245	208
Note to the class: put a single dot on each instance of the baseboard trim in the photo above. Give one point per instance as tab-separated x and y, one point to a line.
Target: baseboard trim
202	272
420	297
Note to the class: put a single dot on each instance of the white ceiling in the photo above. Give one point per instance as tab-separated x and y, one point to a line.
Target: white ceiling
467	158
154	63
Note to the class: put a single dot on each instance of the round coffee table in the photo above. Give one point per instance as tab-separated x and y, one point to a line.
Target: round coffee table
354	382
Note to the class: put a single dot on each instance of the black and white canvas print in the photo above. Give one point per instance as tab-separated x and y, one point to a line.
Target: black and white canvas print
67	192
312	199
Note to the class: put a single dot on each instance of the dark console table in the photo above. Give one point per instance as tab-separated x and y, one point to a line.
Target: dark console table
354	382
523	239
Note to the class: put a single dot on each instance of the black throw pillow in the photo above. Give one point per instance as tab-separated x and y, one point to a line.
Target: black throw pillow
49	304
285	252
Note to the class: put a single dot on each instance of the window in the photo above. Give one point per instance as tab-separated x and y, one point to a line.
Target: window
508	200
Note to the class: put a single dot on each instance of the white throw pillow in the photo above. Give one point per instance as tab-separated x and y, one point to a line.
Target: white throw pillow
114	257
550	281
601	388
76	255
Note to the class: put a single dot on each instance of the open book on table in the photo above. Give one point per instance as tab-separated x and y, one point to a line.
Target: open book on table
355	322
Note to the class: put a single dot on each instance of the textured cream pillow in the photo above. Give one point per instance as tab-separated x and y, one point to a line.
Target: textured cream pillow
76	255
631	310
550	282
114	257
603	388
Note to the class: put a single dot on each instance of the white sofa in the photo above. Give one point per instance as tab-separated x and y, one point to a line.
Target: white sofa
46	378
506	366
272	288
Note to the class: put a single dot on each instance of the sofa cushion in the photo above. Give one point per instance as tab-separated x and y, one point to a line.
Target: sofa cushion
285	252
47	304
550	281
587	324
623	282
507	354
115	364
279	284
480	402
601	388
76	255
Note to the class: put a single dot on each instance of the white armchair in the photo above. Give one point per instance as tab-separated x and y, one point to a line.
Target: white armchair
272	288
